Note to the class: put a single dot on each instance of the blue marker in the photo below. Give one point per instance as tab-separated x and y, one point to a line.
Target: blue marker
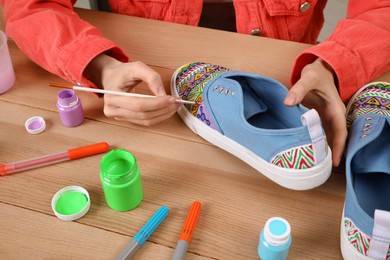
139	239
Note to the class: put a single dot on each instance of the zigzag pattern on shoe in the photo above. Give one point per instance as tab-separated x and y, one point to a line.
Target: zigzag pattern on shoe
359	240
301	157
375	99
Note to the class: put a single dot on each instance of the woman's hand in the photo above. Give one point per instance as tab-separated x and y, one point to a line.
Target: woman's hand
317	89
114	75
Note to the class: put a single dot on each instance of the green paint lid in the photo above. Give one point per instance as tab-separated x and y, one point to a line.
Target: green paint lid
71	203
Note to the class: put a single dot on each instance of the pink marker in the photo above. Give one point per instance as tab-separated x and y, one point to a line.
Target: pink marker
71	154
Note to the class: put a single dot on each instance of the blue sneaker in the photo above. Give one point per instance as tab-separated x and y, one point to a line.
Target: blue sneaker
244	114
365	225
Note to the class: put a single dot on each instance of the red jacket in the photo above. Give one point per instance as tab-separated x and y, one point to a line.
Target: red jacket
358	50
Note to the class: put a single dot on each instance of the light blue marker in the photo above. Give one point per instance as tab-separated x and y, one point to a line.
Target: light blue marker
139	239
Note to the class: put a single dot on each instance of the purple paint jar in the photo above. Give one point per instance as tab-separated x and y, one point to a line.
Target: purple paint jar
69	108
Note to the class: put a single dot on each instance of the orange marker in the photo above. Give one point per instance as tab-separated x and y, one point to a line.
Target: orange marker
71	154
187	232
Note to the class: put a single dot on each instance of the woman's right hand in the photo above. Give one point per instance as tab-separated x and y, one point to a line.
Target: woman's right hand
114	75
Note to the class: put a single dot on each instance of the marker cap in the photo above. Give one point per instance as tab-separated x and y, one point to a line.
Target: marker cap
35	125
71	203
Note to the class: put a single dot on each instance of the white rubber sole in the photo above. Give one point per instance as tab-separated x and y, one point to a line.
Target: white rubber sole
304	179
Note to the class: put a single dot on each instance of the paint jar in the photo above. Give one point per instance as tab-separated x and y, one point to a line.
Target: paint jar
69	108
7	74
275	239
121	180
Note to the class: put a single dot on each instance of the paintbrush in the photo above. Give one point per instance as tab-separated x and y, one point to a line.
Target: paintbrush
111	92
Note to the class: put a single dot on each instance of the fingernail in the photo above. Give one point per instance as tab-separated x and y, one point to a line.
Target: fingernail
172	100
336	161
289	101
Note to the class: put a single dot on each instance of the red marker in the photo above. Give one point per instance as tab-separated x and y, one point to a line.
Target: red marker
187	232
71	154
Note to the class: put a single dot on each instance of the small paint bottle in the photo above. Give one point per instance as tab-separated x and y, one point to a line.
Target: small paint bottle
69	108
121	180
275	239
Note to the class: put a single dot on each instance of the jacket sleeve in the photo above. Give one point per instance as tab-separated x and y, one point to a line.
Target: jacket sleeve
52	35
359	48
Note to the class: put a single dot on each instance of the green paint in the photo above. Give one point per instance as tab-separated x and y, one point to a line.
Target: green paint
121	180
118	168
71	202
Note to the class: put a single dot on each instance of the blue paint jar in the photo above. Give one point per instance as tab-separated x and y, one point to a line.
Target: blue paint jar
275	239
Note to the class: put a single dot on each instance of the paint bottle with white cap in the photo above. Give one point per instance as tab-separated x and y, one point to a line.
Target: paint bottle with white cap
275	239
69	108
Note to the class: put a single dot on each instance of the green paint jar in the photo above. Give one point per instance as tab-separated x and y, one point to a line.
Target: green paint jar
121	180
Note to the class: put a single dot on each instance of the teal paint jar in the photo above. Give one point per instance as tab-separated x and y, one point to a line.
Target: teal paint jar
275	239
121	180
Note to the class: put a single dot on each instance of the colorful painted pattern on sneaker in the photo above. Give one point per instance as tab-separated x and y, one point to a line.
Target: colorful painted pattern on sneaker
301	157
190	82
374	99
359	240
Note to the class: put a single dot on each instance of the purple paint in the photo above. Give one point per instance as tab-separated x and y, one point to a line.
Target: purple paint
70	108
35	125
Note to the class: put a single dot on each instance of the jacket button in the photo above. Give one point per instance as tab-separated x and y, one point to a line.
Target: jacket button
256	32
304	7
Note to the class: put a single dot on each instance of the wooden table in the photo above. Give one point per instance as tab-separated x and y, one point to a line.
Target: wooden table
177	166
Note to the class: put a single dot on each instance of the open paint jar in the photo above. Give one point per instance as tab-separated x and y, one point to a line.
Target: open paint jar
121	180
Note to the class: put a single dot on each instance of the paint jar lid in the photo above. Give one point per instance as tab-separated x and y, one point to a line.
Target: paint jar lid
277	231
35	125
71	203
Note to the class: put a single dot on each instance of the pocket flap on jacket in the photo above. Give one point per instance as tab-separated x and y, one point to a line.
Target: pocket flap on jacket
288	7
